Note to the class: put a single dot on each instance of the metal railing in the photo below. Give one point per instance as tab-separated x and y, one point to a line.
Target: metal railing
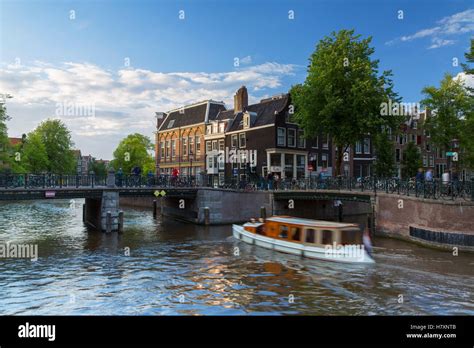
434	189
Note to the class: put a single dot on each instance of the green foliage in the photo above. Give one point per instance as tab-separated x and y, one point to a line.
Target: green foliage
35	155
58	145
452	113
5	148
469	59
385	152
133	151
99	168
343	92
411	161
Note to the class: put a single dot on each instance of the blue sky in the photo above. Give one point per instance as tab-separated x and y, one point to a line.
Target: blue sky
128	59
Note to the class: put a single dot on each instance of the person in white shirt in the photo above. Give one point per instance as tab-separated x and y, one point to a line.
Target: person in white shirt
445	177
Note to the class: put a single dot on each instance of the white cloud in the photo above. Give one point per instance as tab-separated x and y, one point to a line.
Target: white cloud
467	79
124	101
456	24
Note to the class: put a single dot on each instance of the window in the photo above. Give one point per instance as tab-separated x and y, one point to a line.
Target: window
242	140
281	136
221	127
214	145
198	145
295	234
246	121
209	129
366	145
327	237
162	152
326	142
167	148
170	125
214	128
291	137
358	147
185	147
428	147
301	139
191	145
221	145
397	155
310	235
431	161
315	143
173	148
283	231
234	141
350	237
425	161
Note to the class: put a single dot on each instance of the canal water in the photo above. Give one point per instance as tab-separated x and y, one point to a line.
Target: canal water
171	268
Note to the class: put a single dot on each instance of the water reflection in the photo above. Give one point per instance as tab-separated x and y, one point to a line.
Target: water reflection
172	268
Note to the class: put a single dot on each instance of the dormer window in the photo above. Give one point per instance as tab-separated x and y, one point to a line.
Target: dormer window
247	121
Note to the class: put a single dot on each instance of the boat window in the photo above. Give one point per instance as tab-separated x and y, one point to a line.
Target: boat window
327	237
295	233
310	235
260	230
350	237
283	231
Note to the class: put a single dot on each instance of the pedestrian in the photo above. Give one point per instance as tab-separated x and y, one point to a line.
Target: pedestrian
270	180
119	177
445	177
429	175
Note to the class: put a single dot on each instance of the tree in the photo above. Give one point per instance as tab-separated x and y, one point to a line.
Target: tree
58	144
132	151
385	162
35	155
343	92
5	158
468	127
411	161
99	167
451	106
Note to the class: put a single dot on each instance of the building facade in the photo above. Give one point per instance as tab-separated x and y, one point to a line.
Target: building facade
179	142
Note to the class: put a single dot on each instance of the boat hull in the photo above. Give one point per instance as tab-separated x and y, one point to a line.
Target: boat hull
356	255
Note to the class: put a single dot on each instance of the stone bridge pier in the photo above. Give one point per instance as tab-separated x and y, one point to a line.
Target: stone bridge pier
104	213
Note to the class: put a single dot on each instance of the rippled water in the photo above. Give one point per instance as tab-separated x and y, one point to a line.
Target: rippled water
176	268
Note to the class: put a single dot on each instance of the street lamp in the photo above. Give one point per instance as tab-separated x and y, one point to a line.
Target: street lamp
191	162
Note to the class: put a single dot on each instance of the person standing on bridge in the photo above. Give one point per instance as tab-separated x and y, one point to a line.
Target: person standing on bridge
119	177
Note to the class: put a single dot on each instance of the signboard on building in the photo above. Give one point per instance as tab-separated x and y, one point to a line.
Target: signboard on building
50	194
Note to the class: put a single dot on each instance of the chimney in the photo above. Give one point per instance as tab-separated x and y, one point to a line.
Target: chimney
241	99
160	117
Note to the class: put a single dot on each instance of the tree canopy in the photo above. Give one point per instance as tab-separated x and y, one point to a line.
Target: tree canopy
58	144
133	151
343	92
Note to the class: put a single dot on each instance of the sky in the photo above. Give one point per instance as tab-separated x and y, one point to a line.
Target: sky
105	67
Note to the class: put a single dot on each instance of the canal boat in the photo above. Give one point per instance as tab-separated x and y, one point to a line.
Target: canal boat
317	239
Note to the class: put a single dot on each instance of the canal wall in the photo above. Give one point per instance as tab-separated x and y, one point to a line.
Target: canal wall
442	224
139	202
229	206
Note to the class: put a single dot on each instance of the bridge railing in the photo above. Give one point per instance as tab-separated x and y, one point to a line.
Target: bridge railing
434	189
34	181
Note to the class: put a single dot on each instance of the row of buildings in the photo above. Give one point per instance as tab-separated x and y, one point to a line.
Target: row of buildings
258	139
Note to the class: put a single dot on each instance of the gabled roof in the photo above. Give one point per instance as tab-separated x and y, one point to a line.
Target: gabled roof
15	141
192	114
266	112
